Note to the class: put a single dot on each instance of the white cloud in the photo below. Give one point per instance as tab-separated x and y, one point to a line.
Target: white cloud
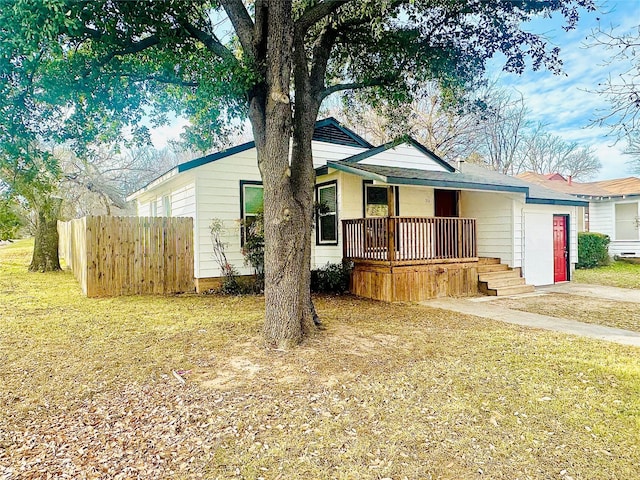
161	136
568	104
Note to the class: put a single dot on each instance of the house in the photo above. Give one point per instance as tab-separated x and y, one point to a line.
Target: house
414	225
614	208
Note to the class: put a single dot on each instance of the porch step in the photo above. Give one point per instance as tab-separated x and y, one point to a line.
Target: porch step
514	290
507	282
489	276
488	260
492	267
500	279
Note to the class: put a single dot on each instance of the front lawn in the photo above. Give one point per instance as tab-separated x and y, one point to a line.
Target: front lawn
618	274
91	389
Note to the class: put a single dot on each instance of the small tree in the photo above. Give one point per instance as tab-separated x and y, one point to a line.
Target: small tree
230	275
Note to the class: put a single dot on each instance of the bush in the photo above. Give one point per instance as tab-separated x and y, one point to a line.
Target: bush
592	249
332	278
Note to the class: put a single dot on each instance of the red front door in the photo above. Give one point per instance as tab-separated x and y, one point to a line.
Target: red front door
560	250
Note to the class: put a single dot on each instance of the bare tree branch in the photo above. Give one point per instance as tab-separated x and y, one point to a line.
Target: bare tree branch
316	13
209	41
242	24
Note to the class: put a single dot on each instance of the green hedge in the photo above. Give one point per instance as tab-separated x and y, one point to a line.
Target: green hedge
592	249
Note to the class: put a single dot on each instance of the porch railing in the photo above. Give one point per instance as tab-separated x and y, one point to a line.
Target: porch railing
409	238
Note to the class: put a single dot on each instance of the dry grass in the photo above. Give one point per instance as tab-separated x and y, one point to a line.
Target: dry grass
618	274
583	309
386	391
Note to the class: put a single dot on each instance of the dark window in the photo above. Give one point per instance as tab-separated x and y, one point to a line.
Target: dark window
327	214
377	199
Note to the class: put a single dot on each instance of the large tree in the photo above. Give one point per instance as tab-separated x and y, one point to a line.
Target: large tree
114	59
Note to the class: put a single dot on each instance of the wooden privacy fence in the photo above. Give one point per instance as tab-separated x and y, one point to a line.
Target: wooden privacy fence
113	256
401	239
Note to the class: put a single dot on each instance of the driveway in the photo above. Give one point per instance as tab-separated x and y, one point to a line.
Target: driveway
483	307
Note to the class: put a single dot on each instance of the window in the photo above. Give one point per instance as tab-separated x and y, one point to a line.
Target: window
251	204
376	200
166	206
627	221
327	214
154	207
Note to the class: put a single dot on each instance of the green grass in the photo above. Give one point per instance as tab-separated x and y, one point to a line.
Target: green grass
385	391
618	274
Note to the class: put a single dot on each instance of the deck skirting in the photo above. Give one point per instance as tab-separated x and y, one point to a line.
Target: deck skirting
391	282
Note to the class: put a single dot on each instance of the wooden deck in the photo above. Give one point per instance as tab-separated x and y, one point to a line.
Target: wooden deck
399	259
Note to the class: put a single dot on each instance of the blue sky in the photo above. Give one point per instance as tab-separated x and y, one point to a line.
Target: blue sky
566	104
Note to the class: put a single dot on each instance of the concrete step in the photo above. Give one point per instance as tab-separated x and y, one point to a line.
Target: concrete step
514	290
492	267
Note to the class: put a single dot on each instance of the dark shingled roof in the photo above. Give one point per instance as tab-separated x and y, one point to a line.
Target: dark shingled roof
471	177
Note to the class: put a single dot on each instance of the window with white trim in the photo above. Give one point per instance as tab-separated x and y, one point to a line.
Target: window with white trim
627	220
327	214
166	206
251	195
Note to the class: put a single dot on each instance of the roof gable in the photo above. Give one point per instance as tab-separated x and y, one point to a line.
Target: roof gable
328	130
331	131
404	152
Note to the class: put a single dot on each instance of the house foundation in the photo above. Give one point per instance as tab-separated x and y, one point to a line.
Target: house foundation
415	281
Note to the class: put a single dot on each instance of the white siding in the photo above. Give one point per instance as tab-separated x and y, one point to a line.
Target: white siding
323	152
218	197
405	156
538	241
144	209
538	258
416	201
518	233
494	213
601	218
624	248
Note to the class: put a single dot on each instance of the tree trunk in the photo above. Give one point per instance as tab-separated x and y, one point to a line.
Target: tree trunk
288	190
45	251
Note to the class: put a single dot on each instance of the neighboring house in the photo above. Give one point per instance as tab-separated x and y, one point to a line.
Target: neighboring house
414	225
614	208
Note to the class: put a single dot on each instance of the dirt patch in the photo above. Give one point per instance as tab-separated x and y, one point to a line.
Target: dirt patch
583	309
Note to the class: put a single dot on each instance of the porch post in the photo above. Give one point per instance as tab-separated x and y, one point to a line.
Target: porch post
391	224
391	238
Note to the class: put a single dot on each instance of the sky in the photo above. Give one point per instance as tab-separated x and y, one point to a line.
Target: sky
567	104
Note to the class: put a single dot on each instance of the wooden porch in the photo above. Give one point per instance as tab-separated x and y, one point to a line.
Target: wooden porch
411	258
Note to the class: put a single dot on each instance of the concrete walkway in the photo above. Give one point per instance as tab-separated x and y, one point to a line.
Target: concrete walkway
482	307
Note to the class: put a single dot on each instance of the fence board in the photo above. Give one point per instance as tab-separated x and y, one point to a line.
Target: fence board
113	256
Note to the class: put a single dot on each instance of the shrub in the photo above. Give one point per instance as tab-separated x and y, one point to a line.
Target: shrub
332	278
253	251
592	249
